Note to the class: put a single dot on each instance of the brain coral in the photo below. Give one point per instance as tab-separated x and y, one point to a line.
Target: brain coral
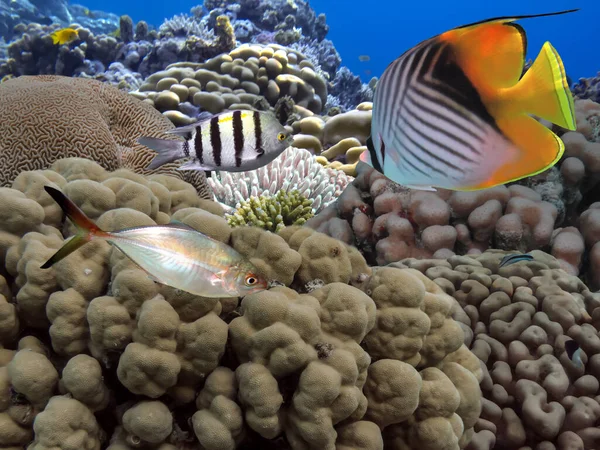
517	319
45	118
338	356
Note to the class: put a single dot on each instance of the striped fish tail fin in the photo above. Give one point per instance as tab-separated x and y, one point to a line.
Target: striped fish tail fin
544	90
168	150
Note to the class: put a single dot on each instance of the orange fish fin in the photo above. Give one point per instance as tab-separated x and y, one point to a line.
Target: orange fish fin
537	149
86	229
544	91
491	54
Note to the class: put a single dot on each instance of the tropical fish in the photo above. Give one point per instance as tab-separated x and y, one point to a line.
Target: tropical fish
64	36
514	258
454	112
232	141
574	353
175	255
364	58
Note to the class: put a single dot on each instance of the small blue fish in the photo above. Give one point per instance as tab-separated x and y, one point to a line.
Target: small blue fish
514	258
574	353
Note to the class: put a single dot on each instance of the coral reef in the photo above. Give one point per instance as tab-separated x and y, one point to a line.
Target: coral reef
123	362
388	222
46	118
587	88
294	170
60	12
338	140
517	319
349	91
272	213
245	76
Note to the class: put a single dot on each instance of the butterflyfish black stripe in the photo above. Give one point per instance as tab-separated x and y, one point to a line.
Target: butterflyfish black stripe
257	133
456	85
399	80
198	149
452	117
413	150
424	149
416	111
215	140
238	137
186	148
405	160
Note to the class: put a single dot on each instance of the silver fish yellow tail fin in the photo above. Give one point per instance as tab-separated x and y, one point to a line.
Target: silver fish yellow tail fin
168	150
86	229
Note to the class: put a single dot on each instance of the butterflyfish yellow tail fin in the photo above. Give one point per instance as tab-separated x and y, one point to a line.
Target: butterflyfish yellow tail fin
544	91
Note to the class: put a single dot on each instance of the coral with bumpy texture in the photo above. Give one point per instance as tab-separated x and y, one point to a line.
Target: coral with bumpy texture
135	360
339	140
517	319
294	170
389	222
246	76
46	118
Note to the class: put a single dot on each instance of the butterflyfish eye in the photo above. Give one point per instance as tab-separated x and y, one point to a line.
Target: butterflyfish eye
281	137
250	280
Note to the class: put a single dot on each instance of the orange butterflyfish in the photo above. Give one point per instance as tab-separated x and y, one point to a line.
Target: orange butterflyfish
175	254
455	111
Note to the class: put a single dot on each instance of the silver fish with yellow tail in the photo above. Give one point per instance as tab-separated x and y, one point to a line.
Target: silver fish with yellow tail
231	141
175	255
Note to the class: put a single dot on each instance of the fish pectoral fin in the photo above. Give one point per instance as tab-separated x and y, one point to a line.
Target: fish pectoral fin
544	90
491	54
420	188
153	278
177	224
537	149
193	165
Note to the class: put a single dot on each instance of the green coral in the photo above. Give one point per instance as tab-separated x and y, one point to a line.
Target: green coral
273	213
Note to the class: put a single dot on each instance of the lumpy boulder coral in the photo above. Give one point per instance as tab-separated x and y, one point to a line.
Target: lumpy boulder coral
337	356
247	75
518	320
46	118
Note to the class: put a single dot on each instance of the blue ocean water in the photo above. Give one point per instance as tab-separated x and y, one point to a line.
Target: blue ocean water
384	29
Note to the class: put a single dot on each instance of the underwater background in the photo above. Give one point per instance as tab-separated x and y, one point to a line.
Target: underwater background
331	271
386	28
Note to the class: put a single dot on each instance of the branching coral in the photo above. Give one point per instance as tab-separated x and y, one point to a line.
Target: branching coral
273	213
295	169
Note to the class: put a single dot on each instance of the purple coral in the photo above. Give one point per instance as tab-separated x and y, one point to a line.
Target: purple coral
588	88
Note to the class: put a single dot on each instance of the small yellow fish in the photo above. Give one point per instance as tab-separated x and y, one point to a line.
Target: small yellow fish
175	255
64	36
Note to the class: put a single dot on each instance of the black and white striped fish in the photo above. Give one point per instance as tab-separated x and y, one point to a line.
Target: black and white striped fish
454	112
232	141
